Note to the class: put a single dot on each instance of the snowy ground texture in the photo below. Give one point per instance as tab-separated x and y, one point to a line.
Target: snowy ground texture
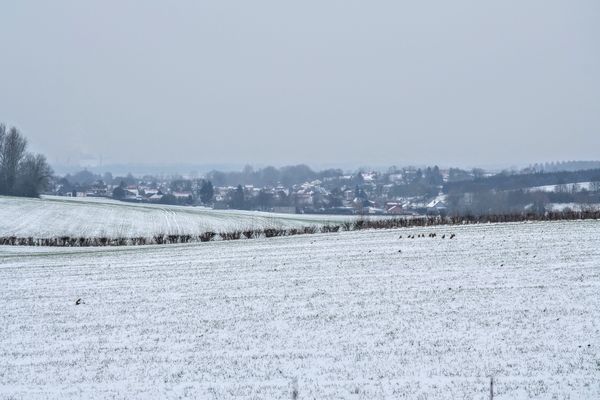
352	315
54	216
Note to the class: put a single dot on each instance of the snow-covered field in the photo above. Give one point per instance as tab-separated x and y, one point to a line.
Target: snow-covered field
53	216
577	187
357	315
572	206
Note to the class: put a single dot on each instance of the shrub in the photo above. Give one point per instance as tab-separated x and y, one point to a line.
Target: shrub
207	236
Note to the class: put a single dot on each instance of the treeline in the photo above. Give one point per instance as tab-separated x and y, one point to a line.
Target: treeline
564	166
420	182
506	181
271	176
21	173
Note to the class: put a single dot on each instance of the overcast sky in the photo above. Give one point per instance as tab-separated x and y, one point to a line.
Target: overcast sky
321	82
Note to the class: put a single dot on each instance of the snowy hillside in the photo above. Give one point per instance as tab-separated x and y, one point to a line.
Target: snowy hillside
569	187
356	315
54	216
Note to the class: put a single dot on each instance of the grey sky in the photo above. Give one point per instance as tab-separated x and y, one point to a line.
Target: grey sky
365	82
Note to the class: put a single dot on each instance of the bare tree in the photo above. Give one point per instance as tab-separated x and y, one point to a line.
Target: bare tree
34	175
2	135
21	173
13	150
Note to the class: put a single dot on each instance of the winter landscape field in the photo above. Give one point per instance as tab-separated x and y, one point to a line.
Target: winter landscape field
349	315
54	216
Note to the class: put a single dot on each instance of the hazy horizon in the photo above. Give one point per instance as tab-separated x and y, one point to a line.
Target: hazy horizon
336	83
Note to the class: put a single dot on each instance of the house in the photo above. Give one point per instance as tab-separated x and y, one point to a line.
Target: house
437	207
182	196
98	189
156	197
369	177
396	209
391	204
132	194
348	194
150	192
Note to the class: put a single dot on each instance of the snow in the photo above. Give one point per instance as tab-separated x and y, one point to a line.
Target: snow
572	206
553	188
54	216
356	315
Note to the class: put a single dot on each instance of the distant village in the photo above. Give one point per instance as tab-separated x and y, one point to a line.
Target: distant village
397	191
409	191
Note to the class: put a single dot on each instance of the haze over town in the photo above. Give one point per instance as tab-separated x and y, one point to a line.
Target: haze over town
340	83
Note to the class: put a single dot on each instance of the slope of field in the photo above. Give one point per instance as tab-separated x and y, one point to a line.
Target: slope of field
53	216
578	186
357	315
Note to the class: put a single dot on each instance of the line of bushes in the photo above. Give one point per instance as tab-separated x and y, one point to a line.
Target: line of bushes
469	219
359	224
68	241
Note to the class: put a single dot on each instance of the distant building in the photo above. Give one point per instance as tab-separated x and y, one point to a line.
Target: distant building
437	207
395	209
